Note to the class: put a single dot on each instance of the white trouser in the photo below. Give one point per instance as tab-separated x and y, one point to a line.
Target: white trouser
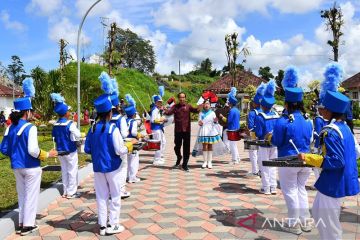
133	165
326	212
123	172
225	139
69	172
159	135
268	174
292	183
108	184
28	188
253	155
234	151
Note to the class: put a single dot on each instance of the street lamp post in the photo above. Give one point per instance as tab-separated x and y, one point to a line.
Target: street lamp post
78	61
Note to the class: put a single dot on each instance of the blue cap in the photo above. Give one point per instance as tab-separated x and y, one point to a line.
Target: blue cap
130	111
293	94
336	102
23	103
157	98
267	101
61	108
103	103
114	99
258	97
233	100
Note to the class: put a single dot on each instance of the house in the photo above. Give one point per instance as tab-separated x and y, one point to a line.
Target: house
243	79
352	85
6	99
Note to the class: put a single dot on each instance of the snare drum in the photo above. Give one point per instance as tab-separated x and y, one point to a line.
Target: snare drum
247	146
152	145
233	135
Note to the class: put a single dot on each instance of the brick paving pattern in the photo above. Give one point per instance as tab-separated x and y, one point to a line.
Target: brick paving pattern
173	204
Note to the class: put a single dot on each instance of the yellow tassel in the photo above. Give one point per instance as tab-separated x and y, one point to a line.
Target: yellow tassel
43	155
129	146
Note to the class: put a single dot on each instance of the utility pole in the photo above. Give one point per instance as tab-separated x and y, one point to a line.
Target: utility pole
111	45
104	22
179	76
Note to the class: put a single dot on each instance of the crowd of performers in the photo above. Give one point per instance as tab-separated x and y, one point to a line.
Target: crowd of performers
324	145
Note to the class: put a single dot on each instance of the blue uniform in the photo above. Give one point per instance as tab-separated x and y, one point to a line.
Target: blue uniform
252	117
265	123
156	126
130	123
339	175
319	123
101	147
296	128
61	133
233	121
15	146
116	119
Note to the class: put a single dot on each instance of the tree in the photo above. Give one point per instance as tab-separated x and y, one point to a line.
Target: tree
232	52
135	52
250	90
315	84
265	73
42	102
16	70
278	79
206	66
334	22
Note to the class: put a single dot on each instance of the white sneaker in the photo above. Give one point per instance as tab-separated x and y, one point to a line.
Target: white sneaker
102	231
265	191
291	229
204	165
210	165
306	226
115	229
135	180
273	190
125	194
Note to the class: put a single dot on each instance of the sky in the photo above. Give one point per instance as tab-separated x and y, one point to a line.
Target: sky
278	33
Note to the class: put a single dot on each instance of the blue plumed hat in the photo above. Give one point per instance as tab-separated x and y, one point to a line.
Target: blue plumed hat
289	83
336	102
130	110
103	103
24	103
232	96
61	107
157	98
259	93
115	95
332	79
269	100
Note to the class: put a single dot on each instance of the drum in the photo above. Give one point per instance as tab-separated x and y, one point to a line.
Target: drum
289	161
152	145
248	146
233	135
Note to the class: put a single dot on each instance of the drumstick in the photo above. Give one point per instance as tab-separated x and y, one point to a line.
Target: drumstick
53	139
292	143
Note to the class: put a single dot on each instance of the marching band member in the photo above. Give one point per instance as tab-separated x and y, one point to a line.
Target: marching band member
233	124
157	126
133	158
265	122
293	128
254	112
106	147
20	144
65	134
337	160
120	121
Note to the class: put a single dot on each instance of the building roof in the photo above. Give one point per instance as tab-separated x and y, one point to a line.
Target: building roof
8	92
243	79
352	82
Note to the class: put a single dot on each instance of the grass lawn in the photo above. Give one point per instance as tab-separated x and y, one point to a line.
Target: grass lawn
8	195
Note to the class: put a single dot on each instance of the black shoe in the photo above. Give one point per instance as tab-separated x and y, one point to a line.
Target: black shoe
18	229
28	230
186	169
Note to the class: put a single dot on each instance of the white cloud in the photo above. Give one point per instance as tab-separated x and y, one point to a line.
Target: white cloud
44	7
11	24
296	6
68	31
101	8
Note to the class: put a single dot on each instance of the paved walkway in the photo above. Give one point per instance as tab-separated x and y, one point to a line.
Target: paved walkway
172	204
